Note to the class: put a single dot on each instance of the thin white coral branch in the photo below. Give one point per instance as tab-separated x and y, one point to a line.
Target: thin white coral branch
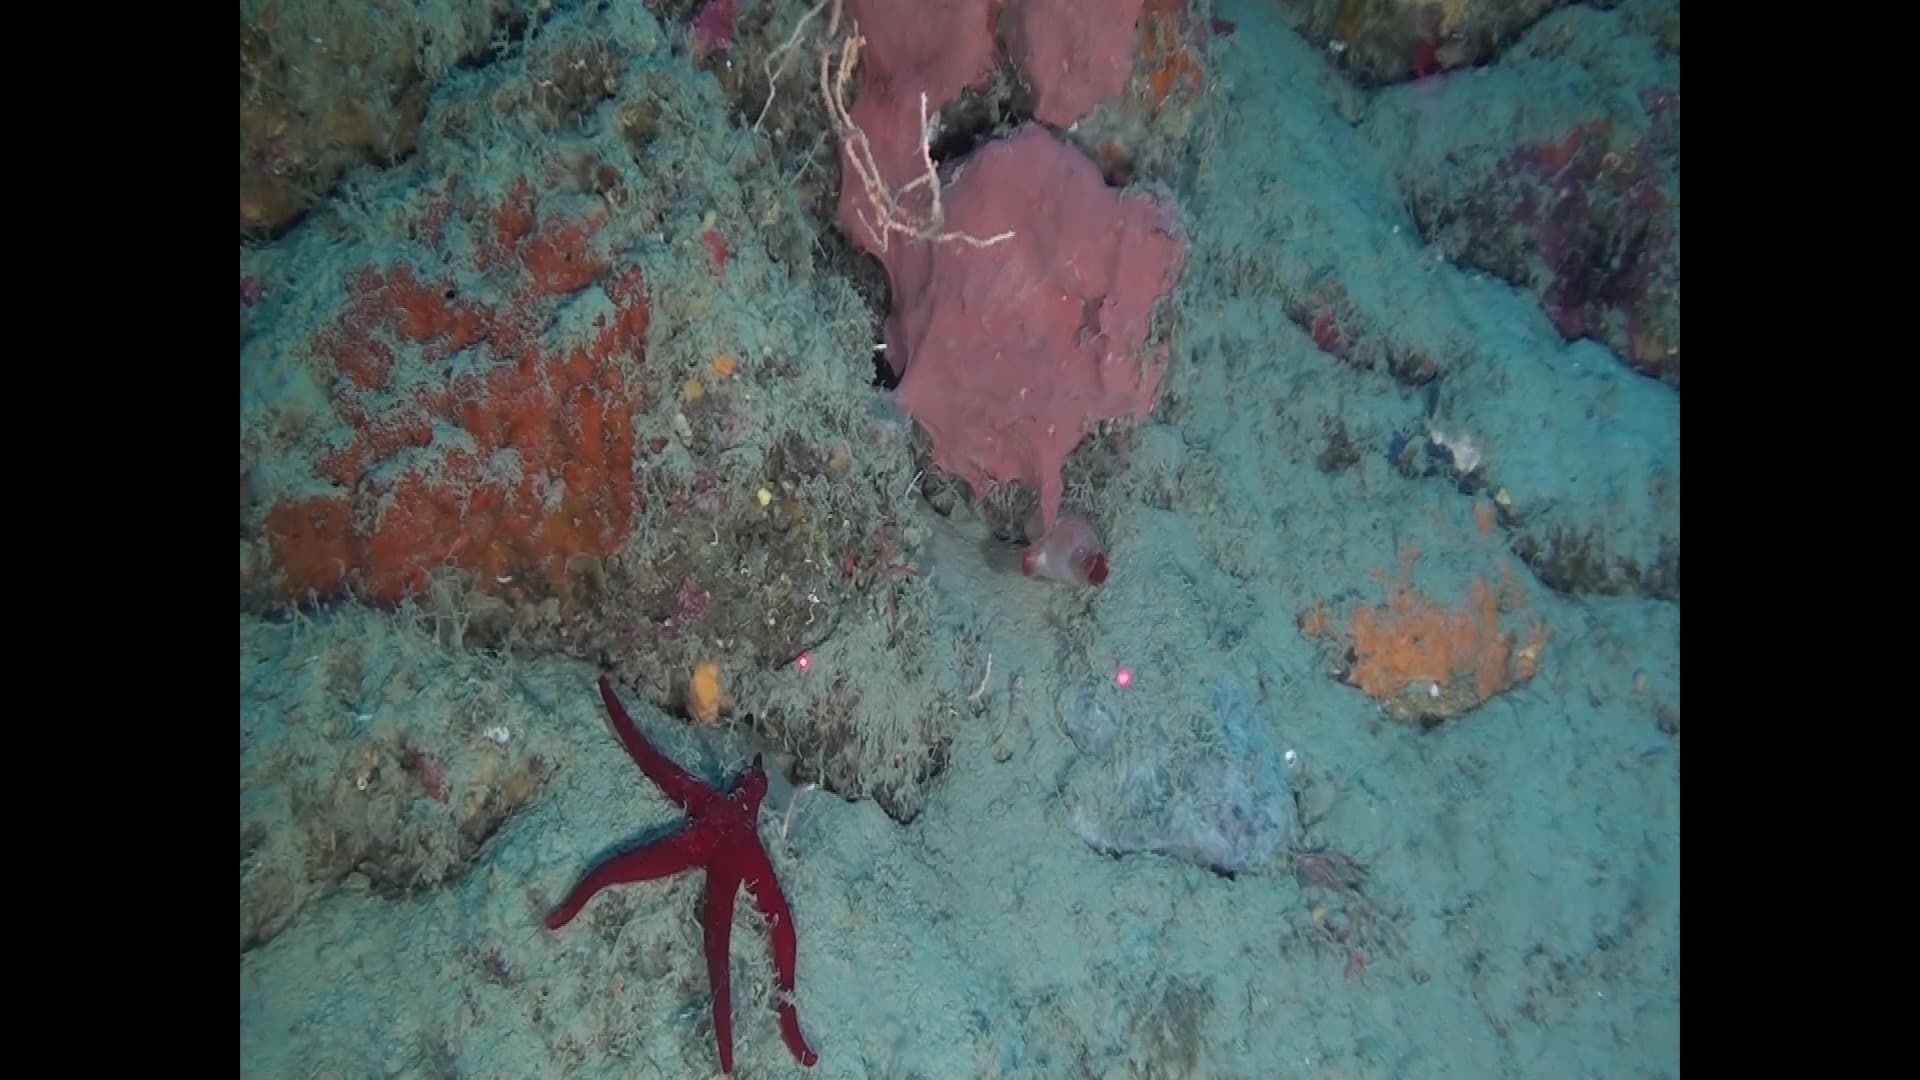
890	214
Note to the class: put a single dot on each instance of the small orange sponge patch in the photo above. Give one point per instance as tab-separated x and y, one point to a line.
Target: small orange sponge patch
1425	661
703	693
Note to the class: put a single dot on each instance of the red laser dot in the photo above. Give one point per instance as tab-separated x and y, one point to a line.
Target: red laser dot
803	663
1123	678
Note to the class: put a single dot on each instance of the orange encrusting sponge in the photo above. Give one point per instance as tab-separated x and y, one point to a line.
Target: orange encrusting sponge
509	468
1424	660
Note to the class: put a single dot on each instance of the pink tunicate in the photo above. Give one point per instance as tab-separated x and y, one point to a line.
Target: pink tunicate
713	28
1071	553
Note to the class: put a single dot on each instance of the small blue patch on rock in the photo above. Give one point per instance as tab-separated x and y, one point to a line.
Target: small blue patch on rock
1210	789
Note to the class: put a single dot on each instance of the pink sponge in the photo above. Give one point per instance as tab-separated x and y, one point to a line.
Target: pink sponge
1012	352
1075	53
935	47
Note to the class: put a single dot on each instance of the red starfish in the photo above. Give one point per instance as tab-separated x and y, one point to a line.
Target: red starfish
722	835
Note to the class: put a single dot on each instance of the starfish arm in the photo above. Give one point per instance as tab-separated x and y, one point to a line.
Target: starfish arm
772	902
721	887
686	791
660	859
